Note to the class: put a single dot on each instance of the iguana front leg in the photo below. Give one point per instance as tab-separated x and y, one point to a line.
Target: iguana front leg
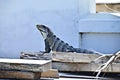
47	47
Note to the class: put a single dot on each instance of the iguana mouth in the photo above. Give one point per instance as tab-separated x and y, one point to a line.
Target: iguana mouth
40	27
42	30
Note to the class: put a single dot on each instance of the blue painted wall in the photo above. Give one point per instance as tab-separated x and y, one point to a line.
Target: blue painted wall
19	17
66	18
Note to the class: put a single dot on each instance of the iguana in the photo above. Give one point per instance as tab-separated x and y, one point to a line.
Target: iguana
52	42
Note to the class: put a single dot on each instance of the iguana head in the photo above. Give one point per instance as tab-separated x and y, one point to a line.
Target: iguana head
44	30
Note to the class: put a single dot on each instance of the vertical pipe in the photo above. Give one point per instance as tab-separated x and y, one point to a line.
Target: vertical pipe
80	39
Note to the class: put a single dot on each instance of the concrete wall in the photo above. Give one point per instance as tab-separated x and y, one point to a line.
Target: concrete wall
100	32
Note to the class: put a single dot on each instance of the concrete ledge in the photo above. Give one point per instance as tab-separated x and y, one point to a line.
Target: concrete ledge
102	22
